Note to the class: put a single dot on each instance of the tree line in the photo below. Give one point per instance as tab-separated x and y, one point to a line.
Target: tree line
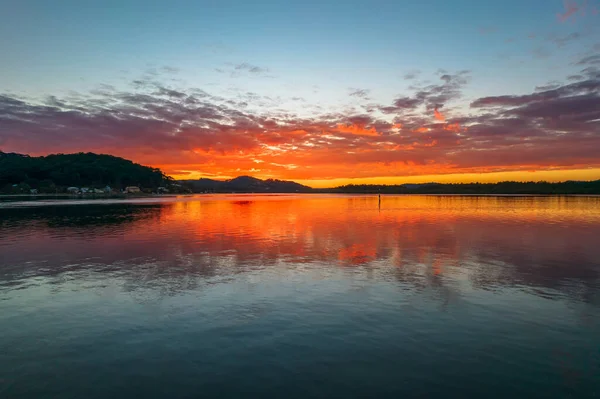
55	173
505	187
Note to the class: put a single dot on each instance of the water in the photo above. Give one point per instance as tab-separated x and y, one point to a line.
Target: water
300	296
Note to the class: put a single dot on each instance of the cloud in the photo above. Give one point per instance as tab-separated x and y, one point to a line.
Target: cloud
590	60
243	69
572	90
360	93
549	86
553	126
438	115
411	75
187	129
401	104
163	91
571	8
169	69
250	68
431	96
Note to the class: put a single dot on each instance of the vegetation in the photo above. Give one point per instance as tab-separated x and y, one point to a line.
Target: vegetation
55	173
507	187
245	184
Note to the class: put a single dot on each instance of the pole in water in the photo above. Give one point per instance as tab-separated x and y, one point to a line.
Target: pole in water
379	196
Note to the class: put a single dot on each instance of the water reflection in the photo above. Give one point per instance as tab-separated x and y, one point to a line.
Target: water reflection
443	243
301	296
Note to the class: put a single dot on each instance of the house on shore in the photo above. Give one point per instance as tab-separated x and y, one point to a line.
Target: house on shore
132	190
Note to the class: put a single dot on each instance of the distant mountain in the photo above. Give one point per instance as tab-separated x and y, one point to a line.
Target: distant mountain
244	184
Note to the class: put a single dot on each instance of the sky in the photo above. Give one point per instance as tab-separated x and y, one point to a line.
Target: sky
320	92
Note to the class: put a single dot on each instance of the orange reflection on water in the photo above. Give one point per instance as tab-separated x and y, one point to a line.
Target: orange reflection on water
488	241
354	230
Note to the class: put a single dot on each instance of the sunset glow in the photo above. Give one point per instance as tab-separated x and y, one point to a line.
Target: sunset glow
521	102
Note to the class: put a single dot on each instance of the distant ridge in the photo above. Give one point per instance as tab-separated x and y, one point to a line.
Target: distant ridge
244	184
248	184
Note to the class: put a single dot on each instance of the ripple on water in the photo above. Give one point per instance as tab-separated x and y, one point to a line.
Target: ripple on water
322	296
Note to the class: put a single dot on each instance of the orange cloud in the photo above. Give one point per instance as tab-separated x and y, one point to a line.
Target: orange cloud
191	141
438	115
570	9
356	129
453	127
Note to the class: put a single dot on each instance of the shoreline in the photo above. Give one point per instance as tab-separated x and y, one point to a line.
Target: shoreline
127	196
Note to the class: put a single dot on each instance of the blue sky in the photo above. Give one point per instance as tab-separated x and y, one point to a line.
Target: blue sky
319	52
70	45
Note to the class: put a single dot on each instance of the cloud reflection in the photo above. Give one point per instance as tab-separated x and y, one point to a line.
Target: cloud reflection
445	244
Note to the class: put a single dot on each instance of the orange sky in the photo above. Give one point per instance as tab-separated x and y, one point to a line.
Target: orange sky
507	90
547	135
490	177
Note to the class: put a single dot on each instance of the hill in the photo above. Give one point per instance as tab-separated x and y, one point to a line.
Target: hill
244	184
54	173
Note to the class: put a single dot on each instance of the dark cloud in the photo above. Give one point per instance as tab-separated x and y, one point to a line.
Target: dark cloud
435	96
559	126
570	90
431	96
590	60
554	126
549	86
360	93
401	104
163	91
411	75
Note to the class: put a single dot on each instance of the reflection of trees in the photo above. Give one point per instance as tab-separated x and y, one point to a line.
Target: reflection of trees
431	244
77	216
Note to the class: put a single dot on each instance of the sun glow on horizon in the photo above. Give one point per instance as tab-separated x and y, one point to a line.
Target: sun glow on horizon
487	177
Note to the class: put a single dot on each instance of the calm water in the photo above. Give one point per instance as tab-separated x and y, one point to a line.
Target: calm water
301	296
